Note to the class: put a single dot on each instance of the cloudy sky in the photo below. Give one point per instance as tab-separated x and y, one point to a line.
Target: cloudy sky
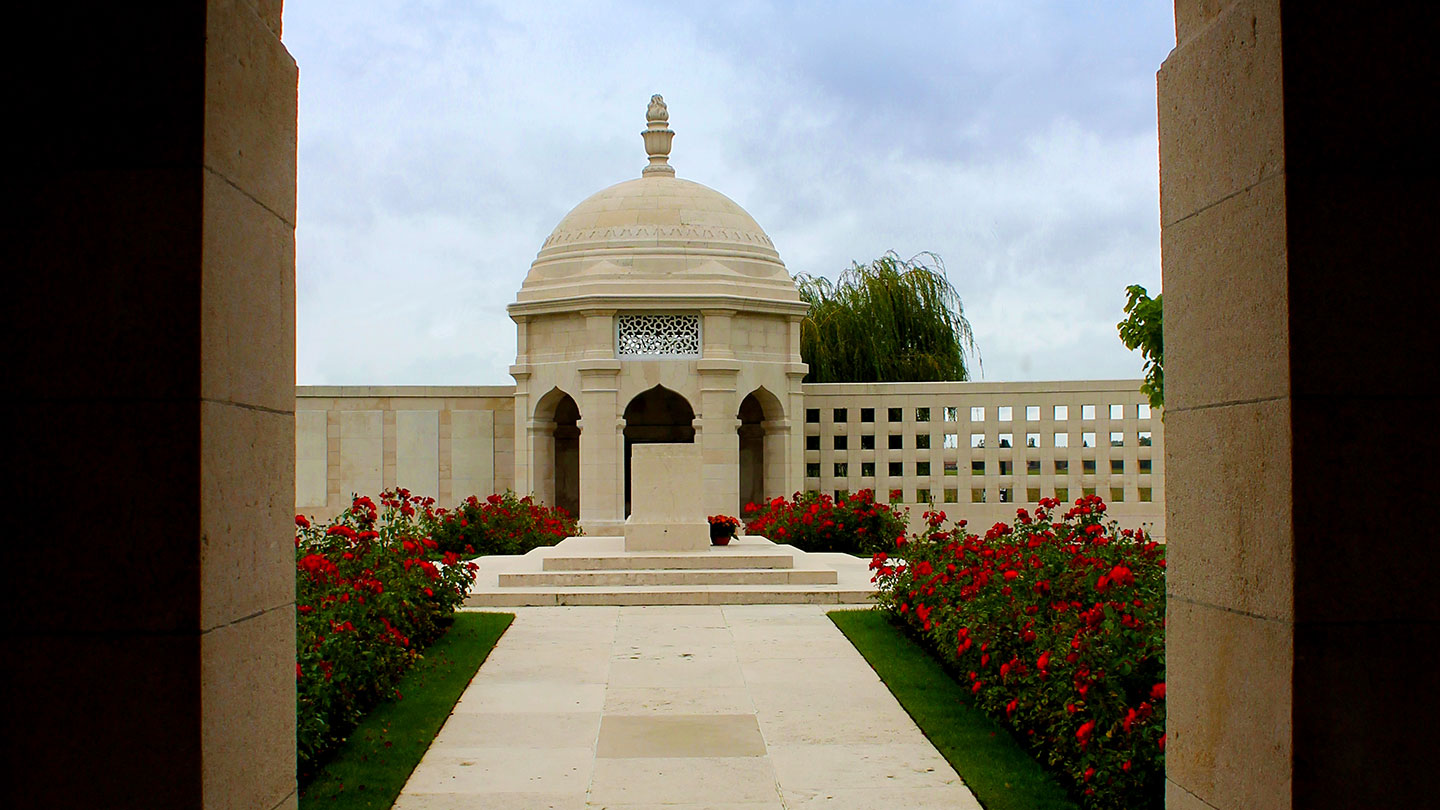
440	142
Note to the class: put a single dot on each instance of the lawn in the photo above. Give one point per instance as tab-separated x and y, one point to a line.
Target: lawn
1000	773
370	769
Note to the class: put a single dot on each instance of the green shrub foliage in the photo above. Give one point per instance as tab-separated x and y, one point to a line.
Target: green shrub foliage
1057	627
371	591
499	524
1144	329
813	521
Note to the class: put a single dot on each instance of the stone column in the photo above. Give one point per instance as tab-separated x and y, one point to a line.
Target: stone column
602	449
602	439
152	628
540	438
1297	206
778	457
716	431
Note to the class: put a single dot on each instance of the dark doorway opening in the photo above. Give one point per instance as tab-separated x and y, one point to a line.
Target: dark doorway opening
567	456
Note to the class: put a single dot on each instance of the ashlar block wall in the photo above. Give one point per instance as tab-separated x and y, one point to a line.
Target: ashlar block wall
445	442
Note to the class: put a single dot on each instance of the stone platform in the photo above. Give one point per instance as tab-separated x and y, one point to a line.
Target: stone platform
599	571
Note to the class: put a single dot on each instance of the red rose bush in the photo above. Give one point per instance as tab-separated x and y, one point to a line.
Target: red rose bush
372	589
499	524
814	521
1057	626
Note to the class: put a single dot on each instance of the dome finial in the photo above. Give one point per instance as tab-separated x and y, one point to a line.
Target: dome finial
657	137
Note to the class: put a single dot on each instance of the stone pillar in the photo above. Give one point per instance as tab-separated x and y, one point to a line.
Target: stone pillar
152	622
716	431
540	438
778	464
602	449
1297	206
602	439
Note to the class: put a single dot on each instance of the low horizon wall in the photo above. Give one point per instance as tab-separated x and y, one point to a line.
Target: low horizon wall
975	450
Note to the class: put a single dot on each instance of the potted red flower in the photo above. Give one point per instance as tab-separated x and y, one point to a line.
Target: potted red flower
722	529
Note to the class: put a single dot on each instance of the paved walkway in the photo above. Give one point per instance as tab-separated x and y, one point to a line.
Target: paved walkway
747	707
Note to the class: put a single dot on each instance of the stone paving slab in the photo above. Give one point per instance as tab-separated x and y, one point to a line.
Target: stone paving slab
747	707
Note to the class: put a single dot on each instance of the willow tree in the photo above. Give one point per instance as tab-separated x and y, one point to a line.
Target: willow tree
887	321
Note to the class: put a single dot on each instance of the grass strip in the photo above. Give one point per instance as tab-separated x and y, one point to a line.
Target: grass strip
370	769
1001	774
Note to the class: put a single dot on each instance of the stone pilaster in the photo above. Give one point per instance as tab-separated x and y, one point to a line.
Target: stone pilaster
1297	204
156	200
716	431
602	449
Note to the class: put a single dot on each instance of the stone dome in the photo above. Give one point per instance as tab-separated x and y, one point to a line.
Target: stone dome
656	235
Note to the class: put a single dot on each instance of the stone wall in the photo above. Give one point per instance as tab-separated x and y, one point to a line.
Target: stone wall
151	265
977	450
445	442
1297	198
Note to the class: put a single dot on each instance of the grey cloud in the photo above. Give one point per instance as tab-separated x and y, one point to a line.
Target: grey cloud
440	142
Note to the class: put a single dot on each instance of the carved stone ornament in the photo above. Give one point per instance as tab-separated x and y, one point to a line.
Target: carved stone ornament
662	335
657	137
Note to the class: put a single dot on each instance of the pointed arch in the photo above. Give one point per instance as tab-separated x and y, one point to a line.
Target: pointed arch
546	405
555	450
759	411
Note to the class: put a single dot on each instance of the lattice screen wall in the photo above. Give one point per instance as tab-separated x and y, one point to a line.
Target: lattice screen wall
979	450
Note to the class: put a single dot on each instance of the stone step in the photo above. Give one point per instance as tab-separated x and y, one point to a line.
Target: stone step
675	560
669	576
671	595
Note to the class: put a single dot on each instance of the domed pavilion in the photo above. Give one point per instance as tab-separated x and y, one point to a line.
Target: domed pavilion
657	311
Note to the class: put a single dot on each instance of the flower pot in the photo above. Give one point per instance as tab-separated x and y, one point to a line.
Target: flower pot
720	535
723	540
